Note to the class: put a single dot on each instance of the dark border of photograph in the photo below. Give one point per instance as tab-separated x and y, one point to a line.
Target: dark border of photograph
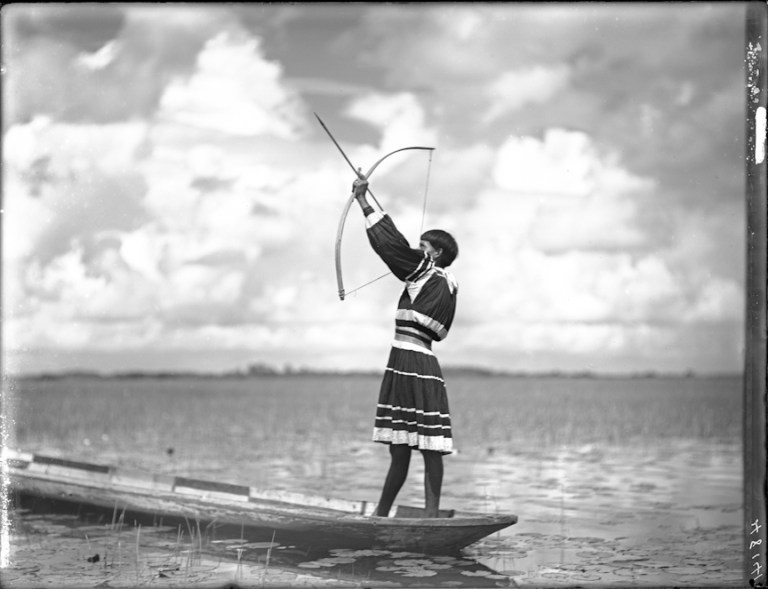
755	483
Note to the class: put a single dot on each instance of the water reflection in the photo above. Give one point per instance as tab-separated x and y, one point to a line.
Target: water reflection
664	515
191	551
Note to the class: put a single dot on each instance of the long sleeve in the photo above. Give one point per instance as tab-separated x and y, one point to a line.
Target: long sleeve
405	262
427	305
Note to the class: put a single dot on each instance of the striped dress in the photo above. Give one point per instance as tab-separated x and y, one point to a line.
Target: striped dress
413	404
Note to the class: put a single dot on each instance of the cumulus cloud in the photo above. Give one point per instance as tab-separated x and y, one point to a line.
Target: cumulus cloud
161	244
233	90
514	89
585	199
98	59
170	190
90	184
400	119
563	164
559	260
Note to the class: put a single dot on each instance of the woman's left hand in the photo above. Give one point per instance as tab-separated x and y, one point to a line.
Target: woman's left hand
360	187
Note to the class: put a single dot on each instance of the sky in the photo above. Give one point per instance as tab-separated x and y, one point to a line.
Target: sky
170	201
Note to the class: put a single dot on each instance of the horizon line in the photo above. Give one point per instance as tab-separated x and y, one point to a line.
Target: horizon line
258	370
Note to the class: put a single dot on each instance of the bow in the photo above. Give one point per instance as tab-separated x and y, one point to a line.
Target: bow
351	199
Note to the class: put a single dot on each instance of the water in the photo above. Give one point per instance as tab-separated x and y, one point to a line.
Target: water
632	482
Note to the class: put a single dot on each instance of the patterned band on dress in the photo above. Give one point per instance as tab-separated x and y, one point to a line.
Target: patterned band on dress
411	342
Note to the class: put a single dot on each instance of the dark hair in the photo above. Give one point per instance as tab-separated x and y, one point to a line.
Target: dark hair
442	240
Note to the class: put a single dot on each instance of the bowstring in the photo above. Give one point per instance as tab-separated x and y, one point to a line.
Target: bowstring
421	229
426	192
354	290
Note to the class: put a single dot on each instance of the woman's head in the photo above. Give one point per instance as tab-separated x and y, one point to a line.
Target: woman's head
441	246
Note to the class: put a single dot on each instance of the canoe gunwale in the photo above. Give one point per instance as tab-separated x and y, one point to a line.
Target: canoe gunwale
340	521
258	505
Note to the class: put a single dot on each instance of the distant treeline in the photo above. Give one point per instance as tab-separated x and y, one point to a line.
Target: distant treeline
262	370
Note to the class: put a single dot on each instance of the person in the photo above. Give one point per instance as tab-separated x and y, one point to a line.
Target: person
412	411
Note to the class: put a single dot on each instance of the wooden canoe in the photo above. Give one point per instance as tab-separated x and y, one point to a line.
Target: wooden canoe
291	517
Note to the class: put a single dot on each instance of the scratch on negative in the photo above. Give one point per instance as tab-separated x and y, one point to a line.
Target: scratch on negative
753	74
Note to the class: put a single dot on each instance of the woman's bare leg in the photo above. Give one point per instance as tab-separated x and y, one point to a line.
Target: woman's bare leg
400	455
433	481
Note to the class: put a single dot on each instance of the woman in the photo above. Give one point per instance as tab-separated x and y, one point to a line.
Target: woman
412	411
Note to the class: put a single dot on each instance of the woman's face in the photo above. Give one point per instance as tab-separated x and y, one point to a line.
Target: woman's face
427	247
